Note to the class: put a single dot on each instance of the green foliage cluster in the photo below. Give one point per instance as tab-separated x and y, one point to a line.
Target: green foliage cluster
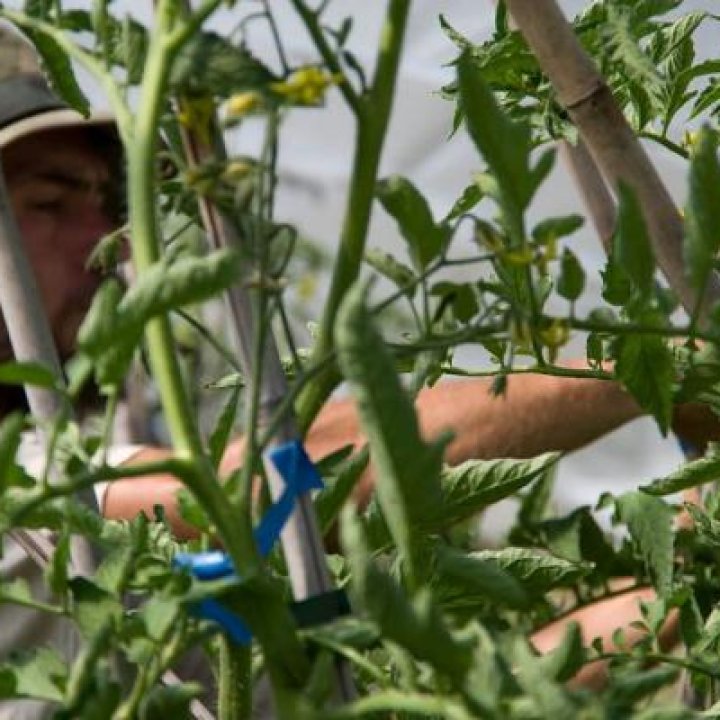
439	628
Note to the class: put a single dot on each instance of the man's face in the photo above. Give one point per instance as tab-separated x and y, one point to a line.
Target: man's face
57	183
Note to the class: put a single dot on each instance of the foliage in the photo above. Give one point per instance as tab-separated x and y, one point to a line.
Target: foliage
440	627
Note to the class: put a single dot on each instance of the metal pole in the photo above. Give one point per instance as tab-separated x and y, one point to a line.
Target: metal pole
31	340
301	538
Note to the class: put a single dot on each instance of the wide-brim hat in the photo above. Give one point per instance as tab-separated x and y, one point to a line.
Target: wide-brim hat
27	104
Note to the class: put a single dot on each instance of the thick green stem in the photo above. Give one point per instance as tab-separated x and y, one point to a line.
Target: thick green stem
146	251
373	117
235	682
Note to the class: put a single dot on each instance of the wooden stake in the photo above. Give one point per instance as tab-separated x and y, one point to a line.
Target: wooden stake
609	138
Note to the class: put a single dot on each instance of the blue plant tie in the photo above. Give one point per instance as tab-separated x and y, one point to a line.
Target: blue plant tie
300	476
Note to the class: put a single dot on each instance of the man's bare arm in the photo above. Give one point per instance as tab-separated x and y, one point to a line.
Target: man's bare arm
538	413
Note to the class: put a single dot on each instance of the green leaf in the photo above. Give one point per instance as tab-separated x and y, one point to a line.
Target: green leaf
557	227
550	698
414	623
568	657
464	581
466	490
571	281
210	65
476	484
159	614
39	674
690	474
469	198
392	269
59	69
11	430
331	499
461	297
224	427
8	683
56	573
536	571
649	521
702	214
644	365
402	200
26	373
631	245
578	538
505	145
161	703
407	469
93	607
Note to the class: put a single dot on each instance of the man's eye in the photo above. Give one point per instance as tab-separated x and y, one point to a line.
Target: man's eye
49	206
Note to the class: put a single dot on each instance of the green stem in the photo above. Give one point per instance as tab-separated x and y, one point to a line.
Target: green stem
234	681
373	118
178	411
312	24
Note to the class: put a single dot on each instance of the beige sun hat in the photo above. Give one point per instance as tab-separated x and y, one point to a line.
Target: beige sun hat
27	104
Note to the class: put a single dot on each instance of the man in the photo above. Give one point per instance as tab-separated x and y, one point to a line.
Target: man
59	170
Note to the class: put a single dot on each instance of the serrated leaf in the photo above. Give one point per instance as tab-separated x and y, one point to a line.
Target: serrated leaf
59	69
39	674
505	145
414	623
571	281
649	521
407	469
402	200
210	65
644	365
466	490
690	474
93	607
538	572
702	213
392	269
464	581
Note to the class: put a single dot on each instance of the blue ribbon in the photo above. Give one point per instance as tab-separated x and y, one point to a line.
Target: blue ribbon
300	476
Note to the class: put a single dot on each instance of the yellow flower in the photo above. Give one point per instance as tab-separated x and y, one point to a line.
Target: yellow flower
196	115
241	104
305	86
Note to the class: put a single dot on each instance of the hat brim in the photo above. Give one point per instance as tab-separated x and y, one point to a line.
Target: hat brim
51	120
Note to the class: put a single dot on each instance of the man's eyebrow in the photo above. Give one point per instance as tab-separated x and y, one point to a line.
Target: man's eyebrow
62	177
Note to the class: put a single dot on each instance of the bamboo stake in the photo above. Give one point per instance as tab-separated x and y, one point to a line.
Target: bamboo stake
596	197
610	140
31	340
